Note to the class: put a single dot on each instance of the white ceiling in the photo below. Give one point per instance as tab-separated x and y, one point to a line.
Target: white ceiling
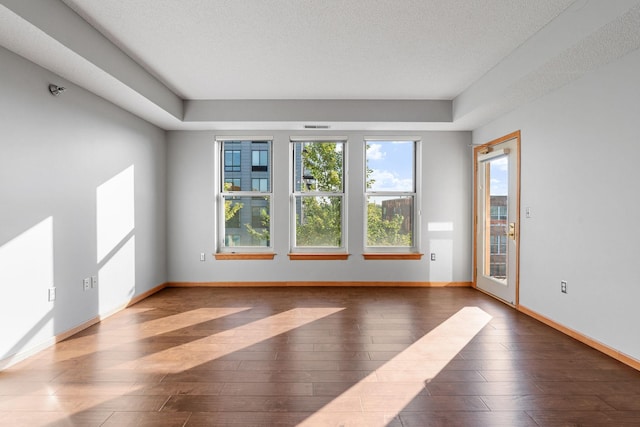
350	64
318	49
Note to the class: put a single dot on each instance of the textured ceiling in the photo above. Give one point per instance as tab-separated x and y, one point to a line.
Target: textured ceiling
351	65
328	49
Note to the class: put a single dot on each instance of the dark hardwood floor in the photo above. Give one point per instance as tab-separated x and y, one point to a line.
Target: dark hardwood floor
320	357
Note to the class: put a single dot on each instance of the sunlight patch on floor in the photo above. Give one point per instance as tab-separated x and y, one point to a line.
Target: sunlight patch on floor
416	365
228	341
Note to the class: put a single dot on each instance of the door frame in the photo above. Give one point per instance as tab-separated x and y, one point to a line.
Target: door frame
477	150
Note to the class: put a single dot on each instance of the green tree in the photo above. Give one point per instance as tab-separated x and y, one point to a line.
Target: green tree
231	207
319	221
385	232
261	234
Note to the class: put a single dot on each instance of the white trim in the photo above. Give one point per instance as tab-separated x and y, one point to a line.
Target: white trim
326	138
393	138
293	248
416	195
243	138
220	195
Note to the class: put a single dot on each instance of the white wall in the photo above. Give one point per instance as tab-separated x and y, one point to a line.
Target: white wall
82	193
580	175
446	199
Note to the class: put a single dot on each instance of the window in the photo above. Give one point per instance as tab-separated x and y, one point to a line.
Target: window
391	195
318	202
232	160
232	239
245	196
498	212
498	270
259	160
260	184
259	218
232	184
498	244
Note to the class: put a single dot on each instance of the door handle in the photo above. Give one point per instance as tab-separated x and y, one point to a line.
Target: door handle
512	231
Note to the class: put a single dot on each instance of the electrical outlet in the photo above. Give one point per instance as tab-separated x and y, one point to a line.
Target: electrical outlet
433	256
86	283
563	286
202	256
52	294
94	282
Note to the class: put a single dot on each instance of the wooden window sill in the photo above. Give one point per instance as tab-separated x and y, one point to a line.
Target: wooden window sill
302	256
226	256
393	256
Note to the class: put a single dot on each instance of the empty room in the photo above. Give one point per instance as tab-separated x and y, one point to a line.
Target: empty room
319	213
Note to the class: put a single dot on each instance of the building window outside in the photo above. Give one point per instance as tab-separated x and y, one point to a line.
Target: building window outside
232	160
245	197
259	217
499	212
498	244
259	160
232	239
232	184
260	184
318	200
391	195
498	270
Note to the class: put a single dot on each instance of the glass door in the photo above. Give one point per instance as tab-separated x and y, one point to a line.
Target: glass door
497	217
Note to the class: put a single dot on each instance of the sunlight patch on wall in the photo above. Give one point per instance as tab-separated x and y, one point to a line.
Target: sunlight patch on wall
26	274
117	277
440	226
115	213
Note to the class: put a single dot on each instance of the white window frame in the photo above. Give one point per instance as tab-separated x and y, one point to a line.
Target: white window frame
417	191
220	194
294	194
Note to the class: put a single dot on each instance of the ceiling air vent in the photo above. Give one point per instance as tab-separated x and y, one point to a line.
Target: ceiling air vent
316	126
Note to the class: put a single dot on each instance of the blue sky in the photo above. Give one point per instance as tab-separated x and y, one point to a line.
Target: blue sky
392	164
499	179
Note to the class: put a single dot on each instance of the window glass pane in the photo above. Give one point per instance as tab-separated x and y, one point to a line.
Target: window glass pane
390	221
390	166
245	166
259	158
247	217
318	166
318	221
498	201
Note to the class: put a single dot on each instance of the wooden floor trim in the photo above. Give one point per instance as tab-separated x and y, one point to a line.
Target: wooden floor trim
18	357
318	284
609	351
